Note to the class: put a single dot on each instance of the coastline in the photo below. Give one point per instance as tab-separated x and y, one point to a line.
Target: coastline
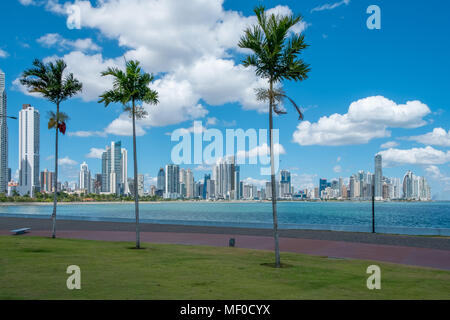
38	203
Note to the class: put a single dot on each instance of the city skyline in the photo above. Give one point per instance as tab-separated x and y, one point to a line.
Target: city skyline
364	100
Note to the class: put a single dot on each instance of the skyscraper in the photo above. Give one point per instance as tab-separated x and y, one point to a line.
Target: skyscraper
140	185
85	178
378	177
47	181
285	183
3	137
126	189
206	182
28	150
161	180
189	184
322	187
112	169
172	181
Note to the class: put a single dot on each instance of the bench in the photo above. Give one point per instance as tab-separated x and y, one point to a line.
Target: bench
20	231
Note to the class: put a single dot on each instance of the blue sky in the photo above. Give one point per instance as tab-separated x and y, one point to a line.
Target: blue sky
191	49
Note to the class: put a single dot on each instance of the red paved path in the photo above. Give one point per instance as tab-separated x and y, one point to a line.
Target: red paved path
424	257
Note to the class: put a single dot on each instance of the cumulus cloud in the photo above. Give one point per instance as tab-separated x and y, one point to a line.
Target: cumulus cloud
55	40
438	137
95	153
366	119
435	173
181	58
67	161
418	156
389	144
261	151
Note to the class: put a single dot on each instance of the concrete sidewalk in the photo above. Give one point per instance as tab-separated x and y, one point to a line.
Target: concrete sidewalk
407	255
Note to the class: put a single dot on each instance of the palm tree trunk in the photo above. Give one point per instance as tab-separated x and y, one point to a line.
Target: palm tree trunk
136	196
274	191
55	185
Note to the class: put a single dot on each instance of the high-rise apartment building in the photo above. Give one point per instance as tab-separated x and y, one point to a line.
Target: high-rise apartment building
161	180
3	137
172	189
140	185
124	180
47	181
85	178
112	172
28	150
378	177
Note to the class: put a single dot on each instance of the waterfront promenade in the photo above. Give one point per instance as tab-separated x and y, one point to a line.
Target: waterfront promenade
421	251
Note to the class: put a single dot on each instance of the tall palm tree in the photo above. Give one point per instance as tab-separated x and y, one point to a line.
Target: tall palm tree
48	80
274	56
131	87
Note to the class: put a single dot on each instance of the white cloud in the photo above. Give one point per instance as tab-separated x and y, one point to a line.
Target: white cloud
95	153
67	161
435	173
27	2
211	121
389	144
365	120
330	6
438	137
418	156
338	159
182	58
56	40
87	134
123	126
337	169
3	53
261	151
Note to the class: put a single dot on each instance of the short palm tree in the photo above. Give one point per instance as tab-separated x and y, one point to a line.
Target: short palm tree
275	52
48	80
129	88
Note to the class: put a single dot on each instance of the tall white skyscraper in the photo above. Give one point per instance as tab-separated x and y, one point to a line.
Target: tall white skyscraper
112	169
126	188
85	178
189	184
28	150
140	185
378	177
3	137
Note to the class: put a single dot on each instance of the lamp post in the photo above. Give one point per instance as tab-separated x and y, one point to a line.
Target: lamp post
373	207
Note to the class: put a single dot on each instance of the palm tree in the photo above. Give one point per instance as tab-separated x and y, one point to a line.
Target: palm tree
275	58
48	80
130	87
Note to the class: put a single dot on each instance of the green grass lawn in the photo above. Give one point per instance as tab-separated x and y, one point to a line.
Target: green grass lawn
35	268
